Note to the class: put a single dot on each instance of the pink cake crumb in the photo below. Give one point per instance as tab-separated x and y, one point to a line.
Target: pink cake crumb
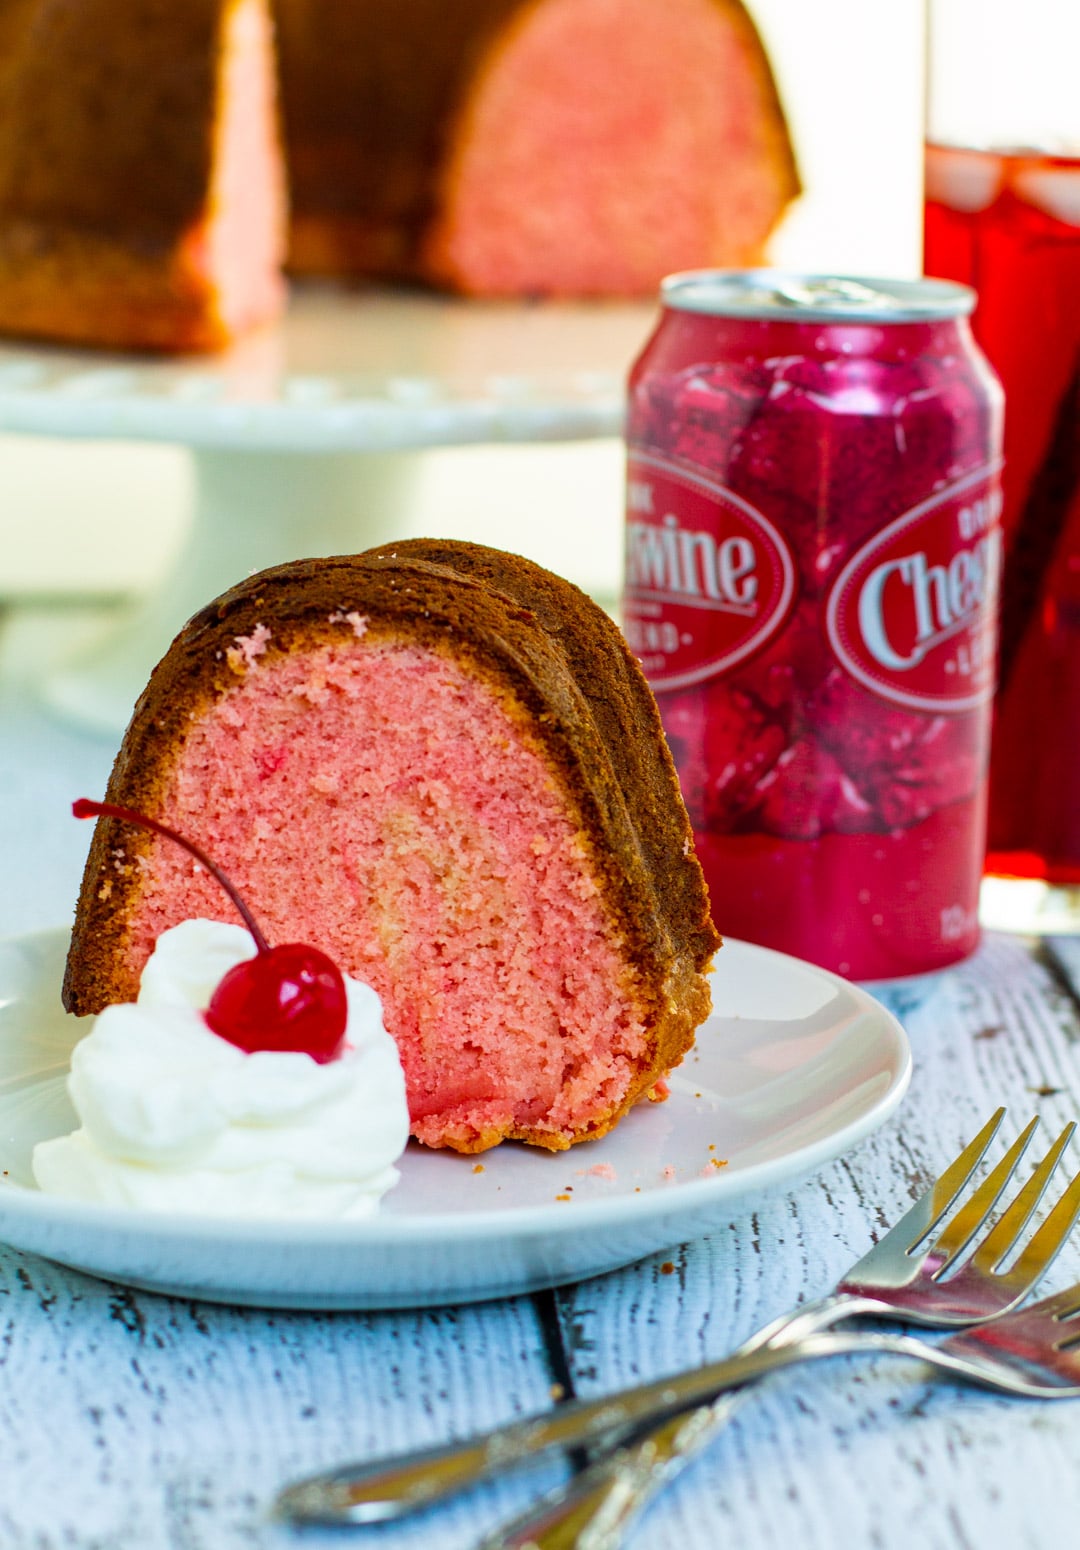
358	621
378	800
668	1172
248	648
604	1171
529	204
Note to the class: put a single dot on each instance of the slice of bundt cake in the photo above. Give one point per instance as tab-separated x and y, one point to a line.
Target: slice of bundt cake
441	765
141	182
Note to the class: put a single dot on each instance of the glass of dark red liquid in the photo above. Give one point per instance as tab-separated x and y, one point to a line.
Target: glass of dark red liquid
1003	216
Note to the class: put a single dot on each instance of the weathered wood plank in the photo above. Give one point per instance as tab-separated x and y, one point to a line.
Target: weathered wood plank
135	1422
870	1452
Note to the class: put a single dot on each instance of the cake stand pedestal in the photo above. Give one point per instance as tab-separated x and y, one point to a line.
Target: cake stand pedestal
304	437
291	505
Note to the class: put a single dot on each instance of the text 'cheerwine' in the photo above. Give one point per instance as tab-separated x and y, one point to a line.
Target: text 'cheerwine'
913	614
704	588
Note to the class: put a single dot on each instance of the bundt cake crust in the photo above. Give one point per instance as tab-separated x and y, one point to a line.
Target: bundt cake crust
107	117
560	667
83	289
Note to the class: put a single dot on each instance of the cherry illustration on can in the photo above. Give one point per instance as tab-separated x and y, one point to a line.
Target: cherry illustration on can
813	555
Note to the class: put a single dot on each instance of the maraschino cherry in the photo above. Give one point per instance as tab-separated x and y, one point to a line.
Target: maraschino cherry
285	998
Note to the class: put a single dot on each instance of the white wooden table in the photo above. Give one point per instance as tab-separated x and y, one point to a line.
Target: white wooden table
136	1422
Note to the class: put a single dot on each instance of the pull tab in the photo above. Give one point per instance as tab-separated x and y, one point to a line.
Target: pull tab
827	293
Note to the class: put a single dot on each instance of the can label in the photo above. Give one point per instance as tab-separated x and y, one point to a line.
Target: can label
913	613
709	580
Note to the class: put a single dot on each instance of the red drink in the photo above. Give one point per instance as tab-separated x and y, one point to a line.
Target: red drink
812	555
1009	224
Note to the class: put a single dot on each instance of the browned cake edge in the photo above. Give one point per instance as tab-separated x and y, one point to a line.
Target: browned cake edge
82	289
107	115
367	109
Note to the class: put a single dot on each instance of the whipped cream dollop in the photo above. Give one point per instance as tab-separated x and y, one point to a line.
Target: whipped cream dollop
174	1118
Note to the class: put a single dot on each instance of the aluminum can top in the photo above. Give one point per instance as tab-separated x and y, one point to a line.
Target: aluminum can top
773	295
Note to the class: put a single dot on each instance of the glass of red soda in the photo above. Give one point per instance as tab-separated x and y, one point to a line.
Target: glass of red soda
1003	215
813	549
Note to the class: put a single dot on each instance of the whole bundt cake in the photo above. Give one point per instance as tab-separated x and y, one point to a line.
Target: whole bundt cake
441	765
495	147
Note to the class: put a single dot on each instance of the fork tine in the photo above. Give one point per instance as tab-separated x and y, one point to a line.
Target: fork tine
928	1210
990	1253
1047	1242
958	1233
1059	1305
1065	1305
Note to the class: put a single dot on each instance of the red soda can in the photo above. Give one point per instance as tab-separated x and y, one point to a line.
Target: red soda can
813	554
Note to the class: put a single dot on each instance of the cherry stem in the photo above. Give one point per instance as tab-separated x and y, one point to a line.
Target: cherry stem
85	808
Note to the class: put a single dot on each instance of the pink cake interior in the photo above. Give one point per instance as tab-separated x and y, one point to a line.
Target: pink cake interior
240	249
609	143
378	802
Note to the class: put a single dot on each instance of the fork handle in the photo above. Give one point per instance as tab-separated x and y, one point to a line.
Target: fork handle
373	1493
603	1500
598	1505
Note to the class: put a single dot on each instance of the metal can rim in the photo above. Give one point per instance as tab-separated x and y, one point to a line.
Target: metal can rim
774	295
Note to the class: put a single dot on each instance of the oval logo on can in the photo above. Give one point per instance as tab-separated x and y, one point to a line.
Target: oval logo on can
913	614
708	578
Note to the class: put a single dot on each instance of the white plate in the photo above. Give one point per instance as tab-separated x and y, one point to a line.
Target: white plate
794	1067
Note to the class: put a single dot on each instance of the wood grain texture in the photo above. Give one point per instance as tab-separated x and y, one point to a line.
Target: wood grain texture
133	1422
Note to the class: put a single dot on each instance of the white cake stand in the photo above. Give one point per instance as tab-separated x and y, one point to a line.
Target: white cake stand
302	434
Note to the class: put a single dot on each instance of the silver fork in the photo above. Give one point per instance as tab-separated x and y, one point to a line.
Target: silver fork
893	1280
596	1507
1032	1352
